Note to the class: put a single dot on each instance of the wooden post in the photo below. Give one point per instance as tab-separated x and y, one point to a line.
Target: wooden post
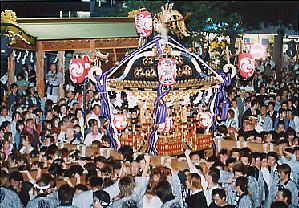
61	64
61	69
11	71
40	71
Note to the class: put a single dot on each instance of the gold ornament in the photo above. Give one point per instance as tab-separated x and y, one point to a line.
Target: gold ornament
170	20
8	16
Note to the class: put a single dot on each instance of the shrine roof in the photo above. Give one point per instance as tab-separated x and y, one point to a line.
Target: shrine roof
78	28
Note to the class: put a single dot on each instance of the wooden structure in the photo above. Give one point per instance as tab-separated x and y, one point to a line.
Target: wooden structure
114	35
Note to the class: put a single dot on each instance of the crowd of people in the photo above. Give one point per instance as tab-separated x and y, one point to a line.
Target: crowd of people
262	109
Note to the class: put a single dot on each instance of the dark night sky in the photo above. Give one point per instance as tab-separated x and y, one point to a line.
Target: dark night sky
268	11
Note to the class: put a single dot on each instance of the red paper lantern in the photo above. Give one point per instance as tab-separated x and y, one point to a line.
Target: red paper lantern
77	70
167	71
246	65
205	119
120	121
144	23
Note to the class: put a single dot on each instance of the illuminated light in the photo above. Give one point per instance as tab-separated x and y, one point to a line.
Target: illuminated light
257	50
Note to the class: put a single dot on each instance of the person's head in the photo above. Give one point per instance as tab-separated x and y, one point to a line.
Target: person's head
290	114
101	199
100	161
284	105
106	141
280	127
26	139
20	126
95	129
79	188
242	185
30	123
53	68
240	169
219	197
246	158
263	110
164	191
4	111
282	112
284	195
278	204
194	157
272	159
63	109
213	176
14	88
16	179
236	153
95	182
224	155
5	126
271	106
126	186
193	181
254	104
231	113
135	168
66	194
284	172
96	109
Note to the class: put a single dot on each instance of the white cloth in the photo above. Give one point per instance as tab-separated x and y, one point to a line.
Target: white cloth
267	177
5	118
90	138
154	201
84	199
208	193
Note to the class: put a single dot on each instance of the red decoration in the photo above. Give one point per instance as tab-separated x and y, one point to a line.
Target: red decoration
86	60
205	119
120	121
144	23
167	71
166	126
246	65
77	70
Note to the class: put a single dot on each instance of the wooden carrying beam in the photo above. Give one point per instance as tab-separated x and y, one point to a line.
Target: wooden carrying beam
40	71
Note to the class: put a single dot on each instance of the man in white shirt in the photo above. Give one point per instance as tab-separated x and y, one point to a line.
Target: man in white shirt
4	115
293	121
93	135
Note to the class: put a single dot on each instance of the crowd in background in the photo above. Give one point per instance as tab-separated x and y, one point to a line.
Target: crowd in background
263	109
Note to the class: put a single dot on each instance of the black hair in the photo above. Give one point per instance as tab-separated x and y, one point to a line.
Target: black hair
286	193
230	160
215	174
66	194
278	204
243	183
163	191
273	154
127	152
220	192
13	85
95	181
80	187
102	196
16	176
